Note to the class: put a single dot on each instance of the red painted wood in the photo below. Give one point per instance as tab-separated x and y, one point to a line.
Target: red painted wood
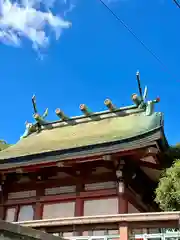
81	195
70	161
20	201
1	212
36	167
38	208
98	193
42	184
15	187
79	207
122	203
149	165
58	198
16	213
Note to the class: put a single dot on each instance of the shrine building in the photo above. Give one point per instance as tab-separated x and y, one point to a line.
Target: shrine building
98	163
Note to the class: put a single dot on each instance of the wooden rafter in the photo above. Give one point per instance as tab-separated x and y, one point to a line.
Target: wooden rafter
150	165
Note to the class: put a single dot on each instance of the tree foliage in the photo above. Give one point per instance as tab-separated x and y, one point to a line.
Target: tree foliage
168	190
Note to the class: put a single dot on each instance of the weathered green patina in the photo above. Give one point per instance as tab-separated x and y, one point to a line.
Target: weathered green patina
39	121
84	134
3	145
79	132
115	124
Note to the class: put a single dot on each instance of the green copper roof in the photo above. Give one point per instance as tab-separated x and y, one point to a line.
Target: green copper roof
107	129
3	145
115	124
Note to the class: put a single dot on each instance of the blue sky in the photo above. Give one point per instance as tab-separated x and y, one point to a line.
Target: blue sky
94	59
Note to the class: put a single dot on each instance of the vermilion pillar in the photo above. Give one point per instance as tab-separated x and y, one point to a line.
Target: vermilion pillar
121	190
123	230
123	203
38	208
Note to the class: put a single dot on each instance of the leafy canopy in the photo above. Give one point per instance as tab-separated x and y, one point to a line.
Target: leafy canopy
168	190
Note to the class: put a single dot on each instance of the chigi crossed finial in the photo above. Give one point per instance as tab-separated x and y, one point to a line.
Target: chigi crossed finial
39	120
140	102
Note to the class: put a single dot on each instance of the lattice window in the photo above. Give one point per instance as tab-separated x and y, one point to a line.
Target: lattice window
60	190
23	194
100	186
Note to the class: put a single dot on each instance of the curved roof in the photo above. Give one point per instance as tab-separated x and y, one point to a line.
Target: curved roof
105	127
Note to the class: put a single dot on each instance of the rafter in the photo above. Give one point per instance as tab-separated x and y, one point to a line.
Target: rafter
150	165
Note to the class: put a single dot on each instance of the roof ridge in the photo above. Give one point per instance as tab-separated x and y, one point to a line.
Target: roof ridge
140	105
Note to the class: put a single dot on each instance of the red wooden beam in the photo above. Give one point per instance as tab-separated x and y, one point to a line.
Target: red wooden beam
150	165
98	193
67	162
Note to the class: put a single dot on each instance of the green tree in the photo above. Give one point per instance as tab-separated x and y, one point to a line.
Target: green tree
168	190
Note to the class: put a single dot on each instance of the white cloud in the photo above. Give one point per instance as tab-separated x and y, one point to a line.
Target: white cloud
27	20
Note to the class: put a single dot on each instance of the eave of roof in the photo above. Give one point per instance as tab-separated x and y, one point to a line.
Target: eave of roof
4	145
138	142
90	133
